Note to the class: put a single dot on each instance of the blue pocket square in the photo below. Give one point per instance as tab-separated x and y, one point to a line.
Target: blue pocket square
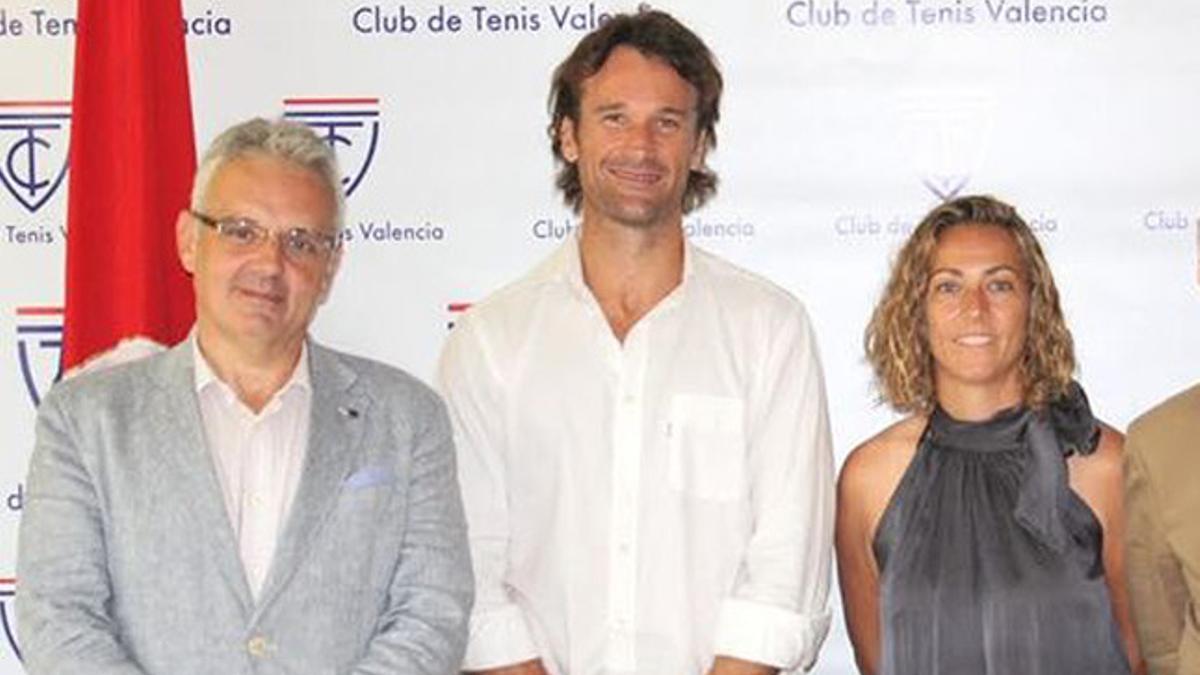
369	476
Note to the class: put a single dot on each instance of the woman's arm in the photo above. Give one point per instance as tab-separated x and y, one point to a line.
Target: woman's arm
1099	480
858	576
867	481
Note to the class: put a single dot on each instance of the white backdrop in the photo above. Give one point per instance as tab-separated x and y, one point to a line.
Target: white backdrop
843	122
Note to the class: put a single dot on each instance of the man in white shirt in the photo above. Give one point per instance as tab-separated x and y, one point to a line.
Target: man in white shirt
643	442
247	501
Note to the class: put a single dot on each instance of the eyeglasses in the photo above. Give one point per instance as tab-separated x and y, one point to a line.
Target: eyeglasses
299	244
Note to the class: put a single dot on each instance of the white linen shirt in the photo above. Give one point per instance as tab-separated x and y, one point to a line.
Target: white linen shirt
258	458
640	507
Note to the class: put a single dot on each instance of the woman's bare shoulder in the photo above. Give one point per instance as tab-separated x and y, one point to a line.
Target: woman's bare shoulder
1098	477
894	445
874	468
1106	459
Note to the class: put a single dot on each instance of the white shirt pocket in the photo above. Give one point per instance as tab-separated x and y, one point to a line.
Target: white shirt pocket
706	446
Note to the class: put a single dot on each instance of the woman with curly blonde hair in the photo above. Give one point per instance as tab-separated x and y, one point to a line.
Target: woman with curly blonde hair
981	534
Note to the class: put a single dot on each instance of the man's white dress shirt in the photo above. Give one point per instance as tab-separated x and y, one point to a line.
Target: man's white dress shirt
259	458
638	507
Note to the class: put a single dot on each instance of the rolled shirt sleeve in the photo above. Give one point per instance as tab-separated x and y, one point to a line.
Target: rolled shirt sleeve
499	634
778	613
770	635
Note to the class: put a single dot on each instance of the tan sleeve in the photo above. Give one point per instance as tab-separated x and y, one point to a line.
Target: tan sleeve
1157	590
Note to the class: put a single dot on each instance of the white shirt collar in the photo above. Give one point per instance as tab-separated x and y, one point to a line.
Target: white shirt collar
567	265
206	378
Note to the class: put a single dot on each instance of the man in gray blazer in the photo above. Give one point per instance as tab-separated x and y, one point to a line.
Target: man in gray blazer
247	501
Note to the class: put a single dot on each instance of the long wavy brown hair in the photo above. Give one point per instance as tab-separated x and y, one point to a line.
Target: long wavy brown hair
897	338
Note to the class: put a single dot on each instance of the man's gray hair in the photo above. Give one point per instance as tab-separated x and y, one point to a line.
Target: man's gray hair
282	139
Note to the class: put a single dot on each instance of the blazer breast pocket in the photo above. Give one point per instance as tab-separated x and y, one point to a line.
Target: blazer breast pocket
706	446
369	476
366	494
367	501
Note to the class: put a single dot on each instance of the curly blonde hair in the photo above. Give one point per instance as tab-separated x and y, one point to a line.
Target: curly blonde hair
897	338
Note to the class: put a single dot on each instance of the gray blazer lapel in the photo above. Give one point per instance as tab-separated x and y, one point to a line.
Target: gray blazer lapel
333	454
184	447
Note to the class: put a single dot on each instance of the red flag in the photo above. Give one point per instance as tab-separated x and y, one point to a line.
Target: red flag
132	159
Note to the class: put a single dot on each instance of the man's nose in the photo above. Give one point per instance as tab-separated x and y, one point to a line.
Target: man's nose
645	135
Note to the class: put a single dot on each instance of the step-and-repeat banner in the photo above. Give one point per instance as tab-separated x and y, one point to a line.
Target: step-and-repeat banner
844	121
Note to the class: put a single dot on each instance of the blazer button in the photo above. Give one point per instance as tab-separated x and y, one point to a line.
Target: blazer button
257	646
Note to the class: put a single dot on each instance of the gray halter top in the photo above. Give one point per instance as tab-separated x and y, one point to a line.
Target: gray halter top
989	562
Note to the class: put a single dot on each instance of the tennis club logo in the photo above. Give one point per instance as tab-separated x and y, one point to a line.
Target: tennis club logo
8	617
39	348
34	139
945	188
947	135
455	310
349	125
